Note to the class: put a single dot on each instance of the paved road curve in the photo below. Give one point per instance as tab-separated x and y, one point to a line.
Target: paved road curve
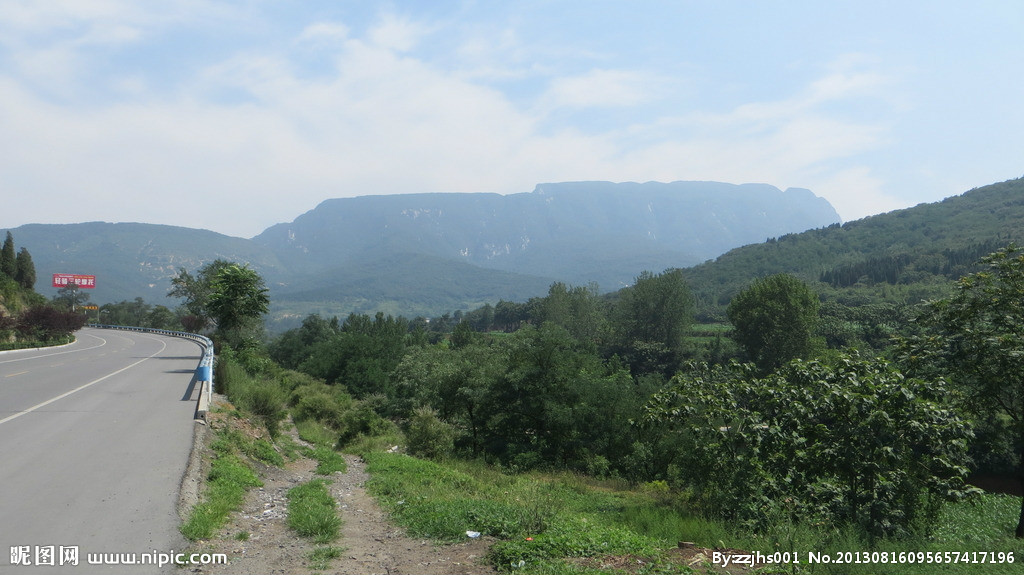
94	439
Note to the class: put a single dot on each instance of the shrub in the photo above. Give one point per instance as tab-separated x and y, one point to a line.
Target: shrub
855	443
265	399
428	436
361	419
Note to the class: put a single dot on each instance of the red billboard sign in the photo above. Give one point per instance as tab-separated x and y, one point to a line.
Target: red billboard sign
62	280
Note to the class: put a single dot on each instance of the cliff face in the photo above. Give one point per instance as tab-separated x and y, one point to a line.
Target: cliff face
577	232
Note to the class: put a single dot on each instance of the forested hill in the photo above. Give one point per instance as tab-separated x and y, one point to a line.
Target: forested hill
906	252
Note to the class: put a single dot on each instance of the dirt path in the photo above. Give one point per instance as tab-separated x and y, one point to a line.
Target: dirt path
376	546
258	540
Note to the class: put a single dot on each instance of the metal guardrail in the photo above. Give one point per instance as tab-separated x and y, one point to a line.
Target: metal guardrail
204	371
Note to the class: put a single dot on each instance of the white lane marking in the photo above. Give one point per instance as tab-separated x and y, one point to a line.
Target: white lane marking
81	387
59	352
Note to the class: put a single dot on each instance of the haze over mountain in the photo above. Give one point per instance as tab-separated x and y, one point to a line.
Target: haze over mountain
435	252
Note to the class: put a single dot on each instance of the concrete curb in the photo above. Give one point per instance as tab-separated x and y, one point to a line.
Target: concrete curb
203	405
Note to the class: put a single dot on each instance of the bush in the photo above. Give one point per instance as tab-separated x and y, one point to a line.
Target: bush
361	419
320	402
265	399
46	323
428	436
855	443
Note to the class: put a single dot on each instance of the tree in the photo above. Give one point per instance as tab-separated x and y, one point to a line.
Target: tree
361	356
576	308
651	320
975	337
71	297
161	317
196	290
8	267
237	298
294	346
774	320
25	270
509	315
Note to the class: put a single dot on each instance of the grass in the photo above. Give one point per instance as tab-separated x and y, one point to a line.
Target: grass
312	513
328	461
321	557
312	431
229	478
548	523
540	522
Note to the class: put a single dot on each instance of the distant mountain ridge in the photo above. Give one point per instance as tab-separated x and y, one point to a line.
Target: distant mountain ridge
577	232
435	252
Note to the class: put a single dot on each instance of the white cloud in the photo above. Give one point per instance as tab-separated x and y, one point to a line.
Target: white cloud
251	140
855	193
602	88
329	32
395	33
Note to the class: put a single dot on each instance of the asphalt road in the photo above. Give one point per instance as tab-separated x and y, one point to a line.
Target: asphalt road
94	440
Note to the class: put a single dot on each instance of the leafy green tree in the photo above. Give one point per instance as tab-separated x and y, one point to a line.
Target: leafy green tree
481	319
854	443
576	308
456	382
237	299
651	320
510	315
133	313
975	338
25	270
161	317
361	356
294	346
196	290
774	320
462	335
8	267
556	404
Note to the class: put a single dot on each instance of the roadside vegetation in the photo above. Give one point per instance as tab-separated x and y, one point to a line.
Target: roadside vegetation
591	434
229	477
26	319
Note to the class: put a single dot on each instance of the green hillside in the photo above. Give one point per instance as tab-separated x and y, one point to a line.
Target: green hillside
133	260
400	284
901	256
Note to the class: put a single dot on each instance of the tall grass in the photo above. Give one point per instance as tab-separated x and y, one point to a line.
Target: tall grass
260	396
312	512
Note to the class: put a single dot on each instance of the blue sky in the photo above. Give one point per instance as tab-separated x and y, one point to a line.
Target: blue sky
233	116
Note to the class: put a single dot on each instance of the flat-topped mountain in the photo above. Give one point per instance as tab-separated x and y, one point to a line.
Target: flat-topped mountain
435	252
576	232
